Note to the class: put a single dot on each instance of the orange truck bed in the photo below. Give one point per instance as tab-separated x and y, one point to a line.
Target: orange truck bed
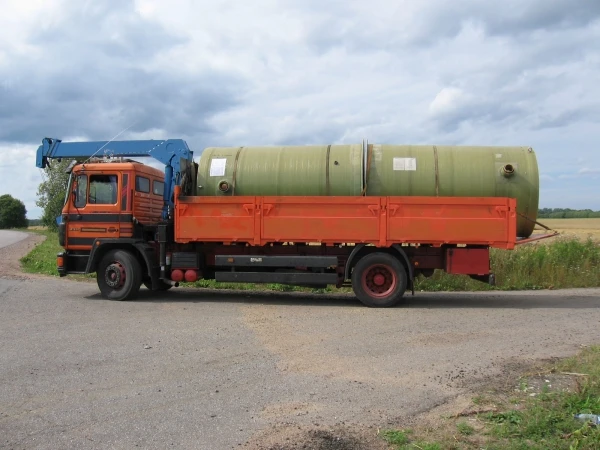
380	221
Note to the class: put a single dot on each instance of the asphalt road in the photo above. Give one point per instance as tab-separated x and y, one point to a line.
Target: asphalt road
193	369
9	237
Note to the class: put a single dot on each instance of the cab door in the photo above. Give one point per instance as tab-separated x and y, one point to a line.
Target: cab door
125	207
94	211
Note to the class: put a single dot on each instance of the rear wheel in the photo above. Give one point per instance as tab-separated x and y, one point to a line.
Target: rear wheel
119	275
379	280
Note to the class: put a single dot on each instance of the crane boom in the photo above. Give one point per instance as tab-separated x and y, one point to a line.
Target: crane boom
173	153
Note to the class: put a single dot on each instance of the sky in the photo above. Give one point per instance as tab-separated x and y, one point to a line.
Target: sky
232	73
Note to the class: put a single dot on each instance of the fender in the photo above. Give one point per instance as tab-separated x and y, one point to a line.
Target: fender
101	245
353	253
409	266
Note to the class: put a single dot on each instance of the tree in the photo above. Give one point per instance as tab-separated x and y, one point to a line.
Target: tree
12	212
51	192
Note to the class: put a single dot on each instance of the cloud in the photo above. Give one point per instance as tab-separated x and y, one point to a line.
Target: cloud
89	73
384	26
452	107
588	171
287	72
580	174
19	177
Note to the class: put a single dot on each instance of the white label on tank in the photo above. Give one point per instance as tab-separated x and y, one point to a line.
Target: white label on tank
498	155
405	164
217	167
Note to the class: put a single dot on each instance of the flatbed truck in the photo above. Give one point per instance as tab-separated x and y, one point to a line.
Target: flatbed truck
134	225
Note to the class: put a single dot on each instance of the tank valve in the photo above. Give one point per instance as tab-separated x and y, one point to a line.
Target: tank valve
223	186
508	170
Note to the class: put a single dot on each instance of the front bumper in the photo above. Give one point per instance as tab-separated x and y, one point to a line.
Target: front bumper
67	263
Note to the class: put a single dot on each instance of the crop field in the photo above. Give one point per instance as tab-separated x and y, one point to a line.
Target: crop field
574	228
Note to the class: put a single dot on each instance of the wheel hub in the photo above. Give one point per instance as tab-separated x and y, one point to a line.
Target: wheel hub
114	275
379	280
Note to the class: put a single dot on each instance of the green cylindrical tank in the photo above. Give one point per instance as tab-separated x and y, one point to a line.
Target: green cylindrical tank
287	170
457	171
387	170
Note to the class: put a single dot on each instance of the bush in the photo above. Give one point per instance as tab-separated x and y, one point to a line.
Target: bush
12	212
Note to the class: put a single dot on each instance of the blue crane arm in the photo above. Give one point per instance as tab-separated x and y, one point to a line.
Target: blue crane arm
170	152
164	151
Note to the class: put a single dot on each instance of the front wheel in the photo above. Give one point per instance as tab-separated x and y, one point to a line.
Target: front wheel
379	280
119	275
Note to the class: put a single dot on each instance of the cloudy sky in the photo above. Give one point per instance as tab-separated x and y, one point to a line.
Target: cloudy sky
218	73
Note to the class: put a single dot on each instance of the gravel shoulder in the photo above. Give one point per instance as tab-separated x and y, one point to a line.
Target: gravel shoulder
11	254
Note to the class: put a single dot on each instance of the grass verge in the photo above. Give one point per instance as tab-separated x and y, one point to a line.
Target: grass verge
564	263
561	264
537	414
42	259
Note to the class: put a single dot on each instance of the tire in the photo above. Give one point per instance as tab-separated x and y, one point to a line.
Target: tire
379	280
162	286
119	275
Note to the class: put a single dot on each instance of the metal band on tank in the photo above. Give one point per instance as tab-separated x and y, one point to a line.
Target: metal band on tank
365	142
327	185
235	165
437	171
368	168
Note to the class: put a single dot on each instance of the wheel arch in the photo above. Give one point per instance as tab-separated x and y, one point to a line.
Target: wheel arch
140	250
407	265
361	250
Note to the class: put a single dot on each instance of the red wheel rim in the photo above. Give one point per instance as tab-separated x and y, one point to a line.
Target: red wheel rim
115	275
379	280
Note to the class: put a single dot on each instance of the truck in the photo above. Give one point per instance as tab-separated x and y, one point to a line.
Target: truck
133	224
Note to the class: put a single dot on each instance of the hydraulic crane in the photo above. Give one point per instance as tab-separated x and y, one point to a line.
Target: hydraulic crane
173	153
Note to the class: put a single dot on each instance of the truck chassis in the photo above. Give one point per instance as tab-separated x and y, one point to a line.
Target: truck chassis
377	245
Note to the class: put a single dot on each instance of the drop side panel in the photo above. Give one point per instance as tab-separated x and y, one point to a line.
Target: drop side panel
452	220
380	221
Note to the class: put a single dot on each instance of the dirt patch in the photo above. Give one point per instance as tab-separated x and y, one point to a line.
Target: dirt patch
303	348
489	394
480	396
290	409
327	438
11	254
549	382
300	349
506	391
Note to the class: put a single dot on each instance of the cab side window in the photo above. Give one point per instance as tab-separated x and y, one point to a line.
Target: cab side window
103	189
142	184
158	188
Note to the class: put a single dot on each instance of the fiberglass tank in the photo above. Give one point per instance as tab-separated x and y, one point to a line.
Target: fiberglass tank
457	171
287	170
